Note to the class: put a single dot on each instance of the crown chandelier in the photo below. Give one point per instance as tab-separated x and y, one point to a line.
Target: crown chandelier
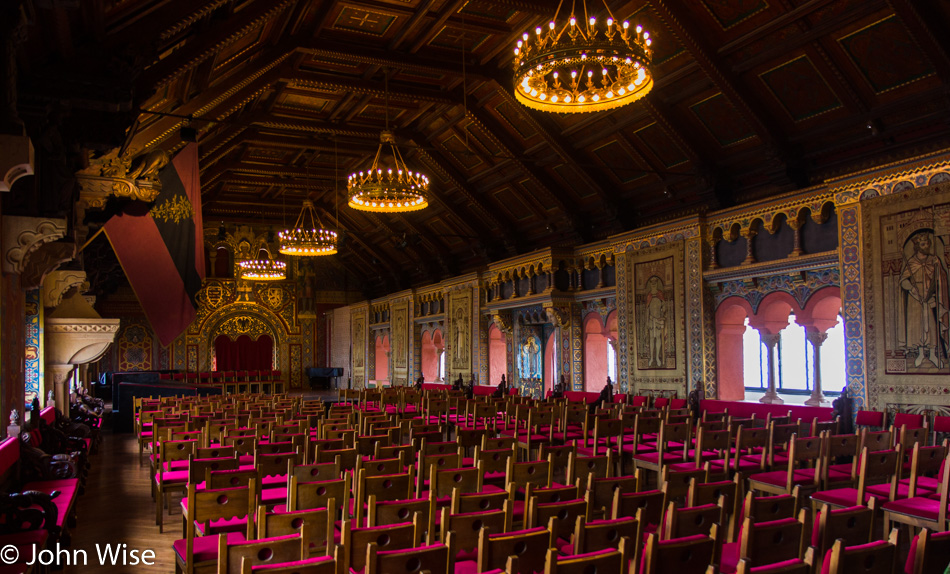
262	268
582	66
308	237
388	186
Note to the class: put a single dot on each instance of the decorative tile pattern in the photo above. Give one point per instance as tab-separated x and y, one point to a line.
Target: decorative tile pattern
801	288
33	365
622	312
852	301
694	311
296	365
134	344
577	348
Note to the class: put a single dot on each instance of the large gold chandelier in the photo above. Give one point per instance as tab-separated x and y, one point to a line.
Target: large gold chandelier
262	268
389	185
308	237
583	66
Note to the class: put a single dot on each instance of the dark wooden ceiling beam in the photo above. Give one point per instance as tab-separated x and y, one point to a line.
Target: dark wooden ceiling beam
312	80
392	59
567	153
772	26
436	27
677	18
813	33
208	45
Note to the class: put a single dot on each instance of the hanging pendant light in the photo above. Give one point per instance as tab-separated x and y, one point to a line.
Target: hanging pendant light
308	237
388	186
262	268
583	65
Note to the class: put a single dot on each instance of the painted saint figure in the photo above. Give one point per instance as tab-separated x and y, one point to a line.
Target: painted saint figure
459	336
656	320
924	281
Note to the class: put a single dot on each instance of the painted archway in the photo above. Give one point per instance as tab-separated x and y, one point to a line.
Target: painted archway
430	348
497	355
382	357
595	352
254	321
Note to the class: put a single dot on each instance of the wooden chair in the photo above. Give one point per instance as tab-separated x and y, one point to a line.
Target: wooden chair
200	509
314	472
877	557
319	522
467	526
766	542
494	463
480	501
318	565
529	547
854	525
384	487
434	559
845	447
680	522
428	463
929	551
676	484
649	504
921	511
672	447
795	566
582	468
351	554
729	491
559	516
691	555
874	468
443	481
380	513
168	480
600	493
232	557
802	468
536	472
607	561
590	536
317	494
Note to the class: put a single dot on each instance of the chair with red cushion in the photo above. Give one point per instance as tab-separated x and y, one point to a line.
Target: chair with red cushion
854	525
401	486
528	546
380	513
672	447
607	561
351	553
794	566
590	536
685	521
480	501
925	463
766	542
751	452
844	447
234	556
730	491
929	551
537	472
318	565
647	506
317	494
803	468
581	468
169	479
881	467
432	558
690	555
878	557
200	553
661	402
319	526
560	516
607	435
922	511
910	420
466	528
600	493
865	419
494	463
676	483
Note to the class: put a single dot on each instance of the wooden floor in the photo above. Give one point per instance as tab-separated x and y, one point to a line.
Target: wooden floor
117	508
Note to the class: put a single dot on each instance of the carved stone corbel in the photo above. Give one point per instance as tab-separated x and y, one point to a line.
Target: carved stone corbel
57	283
44	260
502	320
558	316
136	179
24	235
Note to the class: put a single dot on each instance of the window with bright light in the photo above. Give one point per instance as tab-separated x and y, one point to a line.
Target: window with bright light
754	359
442	365
611	362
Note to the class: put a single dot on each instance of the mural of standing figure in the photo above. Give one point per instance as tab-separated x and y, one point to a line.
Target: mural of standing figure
656	320
924	282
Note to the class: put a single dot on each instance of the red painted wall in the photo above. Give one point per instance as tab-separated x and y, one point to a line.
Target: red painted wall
429	355
497	355
382	358
595	354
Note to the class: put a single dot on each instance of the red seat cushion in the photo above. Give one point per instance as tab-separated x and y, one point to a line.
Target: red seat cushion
921	507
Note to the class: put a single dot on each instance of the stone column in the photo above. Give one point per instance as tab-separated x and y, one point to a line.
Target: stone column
796	226
771	395
749	253
817	398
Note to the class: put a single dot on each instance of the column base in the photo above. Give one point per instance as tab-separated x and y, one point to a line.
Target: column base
772	398
818	400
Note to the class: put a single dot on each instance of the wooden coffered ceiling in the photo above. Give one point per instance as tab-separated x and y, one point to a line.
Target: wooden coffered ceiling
752	98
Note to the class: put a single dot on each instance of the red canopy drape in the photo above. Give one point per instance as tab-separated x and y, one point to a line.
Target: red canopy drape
244	354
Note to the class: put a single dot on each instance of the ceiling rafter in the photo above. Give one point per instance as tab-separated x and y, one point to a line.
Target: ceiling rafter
166	70
561	147
675	17
389	59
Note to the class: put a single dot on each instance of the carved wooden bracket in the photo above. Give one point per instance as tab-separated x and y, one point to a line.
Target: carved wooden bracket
17	162
502	320
44	260
24	235
57	283
558	316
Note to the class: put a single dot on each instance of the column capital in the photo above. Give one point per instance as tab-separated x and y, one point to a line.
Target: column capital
816	338
770	339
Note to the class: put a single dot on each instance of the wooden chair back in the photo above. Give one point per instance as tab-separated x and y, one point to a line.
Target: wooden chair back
600	493
650	504
467	526
876	558
932	551
536	472
443	481
691	520
772	541
590	536
434	559
314	472
317	494
529	547
606	560
400	486
232	558
319	523
380	513
352	551
692	555
583	467
480	501
559	516
855	525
